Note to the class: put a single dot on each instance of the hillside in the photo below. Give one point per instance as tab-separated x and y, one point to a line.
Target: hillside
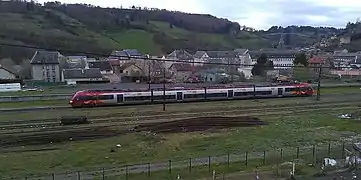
298	36
99	30
86	28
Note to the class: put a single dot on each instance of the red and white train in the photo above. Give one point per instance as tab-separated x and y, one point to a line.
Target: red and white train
94	98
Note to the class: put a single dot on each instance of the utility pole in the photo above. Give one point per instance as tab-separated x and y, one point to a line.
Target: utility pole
319	83
164	88
149	80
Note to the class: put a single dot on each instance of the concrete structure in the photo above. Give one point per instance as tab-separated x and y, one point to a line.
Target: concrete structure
45	66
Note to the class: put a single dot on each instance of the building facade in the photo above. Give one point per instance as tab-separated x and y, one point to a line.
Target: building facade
45	66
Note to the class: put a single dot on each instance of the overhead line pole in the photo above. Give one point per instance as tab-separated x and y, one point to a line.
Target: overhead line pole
319	84
164	88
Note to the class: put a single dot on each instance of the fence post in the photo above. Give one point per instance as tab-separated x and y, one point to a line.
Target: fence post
148	169
170	166
298	152
281	154
126	172
343	150
190	164
313	154
209	163
79	175
329	150
103	173
228	161
53	176
264	157
246	158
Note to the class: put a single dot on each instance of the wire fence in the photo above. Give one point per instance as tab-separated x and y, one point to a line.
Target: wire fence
206	166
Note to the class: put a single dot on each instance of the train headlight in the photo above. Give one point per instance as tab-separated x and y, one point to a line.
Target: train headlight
70	102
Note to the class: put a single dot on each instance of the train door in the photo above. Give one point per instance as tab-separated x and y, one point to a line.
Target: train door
120	98
280	91
230	93
179	96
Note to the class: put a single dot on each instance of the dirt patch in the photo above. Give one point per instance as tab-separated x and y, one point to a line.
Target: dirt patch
200	124
57	137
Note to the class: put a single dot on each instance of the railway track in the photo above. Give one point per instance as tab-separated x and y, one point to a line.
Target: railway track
34	127
24	109
151	112
88	132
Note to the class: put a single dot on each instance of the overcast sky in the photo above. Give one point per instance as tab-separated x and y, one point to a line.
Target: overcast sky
259	14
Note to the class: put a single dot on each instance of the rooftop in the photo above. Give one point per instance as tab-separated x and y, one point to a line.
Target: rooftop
82	73
45	57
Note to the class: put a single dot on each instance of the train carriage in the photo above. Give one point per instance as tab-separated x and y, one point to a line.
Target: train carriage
116	97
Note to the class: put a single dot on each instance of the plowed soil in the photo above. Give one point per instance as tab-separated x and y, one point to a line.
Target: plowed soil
57	137
200	124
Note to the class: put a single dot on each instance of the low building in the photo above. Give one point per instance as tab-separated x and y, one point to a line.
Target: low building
181	71
130	72
179	55
282	59
201	57
316	62
76	62
80	76
104	66
342	60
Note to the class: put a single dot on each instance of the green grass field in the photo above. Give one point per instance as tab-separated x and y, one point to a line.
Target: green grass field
283	131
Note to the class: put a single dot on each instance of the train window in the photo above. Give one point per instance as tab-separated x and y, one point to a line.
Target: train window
249	93
86	98
166	97
189	96
217	95
263	92
290	89
137	98
303	89
105	97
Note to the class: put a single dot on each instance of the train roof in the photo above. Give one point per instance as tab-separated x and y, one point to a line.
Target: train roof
194	88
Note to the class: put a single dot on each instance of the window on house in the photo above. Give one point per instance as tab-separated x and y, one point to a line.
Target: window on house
53	67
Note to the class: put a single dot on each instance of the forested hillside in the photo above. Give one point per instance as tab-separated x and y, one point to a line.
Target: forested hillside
86	28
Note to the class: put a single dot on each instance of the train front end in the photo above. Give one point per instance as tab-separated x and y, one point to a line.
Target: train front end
306	89
79	99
